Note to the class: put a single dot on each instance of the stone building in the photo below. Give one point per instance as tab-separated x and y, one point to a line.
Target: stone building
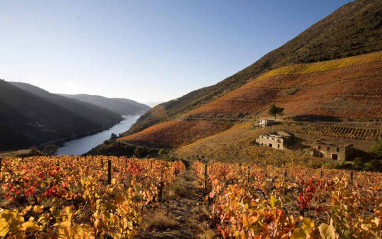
325	149
277	141
265	122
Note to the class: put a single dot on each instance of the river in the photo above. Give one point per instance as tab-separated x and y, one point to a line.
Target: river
83	145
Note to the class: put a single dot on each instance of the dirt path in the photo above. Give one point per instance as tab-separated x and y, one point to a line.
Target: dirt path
181	214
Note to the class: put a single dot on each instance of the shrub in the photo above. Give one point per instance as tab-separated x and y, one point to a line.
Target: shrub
140	152
374	165
162	152
34	151
50	149
359	162
113	137
377	149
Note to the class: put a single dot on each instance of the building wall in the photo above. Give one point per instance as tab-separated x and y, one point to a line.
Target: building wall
271	141
329	151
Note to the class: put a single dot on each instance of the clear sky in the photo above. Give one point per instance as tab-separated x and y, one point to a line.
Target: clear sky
145	50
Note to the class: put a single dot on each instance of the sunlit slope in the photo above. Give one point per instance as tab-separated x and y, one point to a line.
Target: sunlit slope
339	90
238	143
175	133
348	88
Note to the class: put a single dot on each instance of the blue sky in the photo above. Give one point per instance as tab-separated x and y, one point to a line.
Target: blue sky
145	50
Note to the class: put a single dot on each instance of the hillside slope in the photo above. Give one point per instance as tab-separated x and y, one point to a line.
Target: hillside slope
30	119
119	105
341	90
353	29
347	89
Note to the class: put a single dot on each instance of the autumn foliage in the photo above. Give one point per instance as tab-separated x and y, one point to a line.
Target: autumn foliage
177	132
251	201
69	197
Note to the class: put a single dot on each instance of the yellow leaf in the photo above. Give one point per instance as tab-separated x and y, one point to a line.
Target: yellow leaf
4	227
275	202
298	234
307	225
29	226
327	231
38	209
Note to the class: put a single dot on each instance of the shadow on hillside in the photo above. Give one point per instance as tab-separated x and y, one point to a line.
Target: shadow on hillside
362	154
316	118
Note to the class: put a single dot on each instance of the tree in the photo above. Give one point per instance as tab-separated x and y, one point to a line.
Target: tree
51	149
113	137
140	152
274	110
377	149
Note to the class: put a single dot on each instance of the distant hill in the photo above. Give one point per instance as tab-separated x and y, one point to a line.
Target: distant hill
119	105
30	116
330	72
152	103
353	29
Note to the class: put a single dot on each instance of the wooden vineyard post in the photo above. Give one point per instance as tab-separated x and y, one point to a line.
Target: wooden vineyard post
351	177
322	173
249	173
285	179
109	172
0	164
161	184
205	178
101	163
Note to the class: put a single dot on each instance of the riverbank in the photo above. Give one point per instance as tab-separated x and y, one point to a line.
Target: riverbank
84	144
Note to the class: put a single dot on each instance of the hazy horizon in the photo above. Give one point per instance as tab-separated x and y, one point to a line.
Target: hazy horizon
148	51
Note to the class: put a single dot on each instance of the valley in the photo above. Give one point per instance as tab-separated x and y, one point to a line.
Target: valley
288	147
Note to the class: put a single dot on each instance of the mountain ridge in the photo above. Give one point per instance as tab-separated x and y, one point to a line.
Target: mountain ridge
121	106
28	119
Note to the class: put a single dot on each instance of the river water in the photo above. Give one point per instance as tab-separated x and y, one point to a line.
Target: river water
83	145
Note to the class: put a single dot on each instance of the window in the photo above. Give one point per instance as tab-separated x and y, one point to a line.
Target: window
270	145
338	149
335	156
278	145
328	148
319	147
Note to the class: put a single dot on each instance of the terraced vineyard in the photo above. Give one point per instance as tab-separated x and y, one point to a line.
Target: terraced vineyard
73	197
176	133
250	201
345	90
335	130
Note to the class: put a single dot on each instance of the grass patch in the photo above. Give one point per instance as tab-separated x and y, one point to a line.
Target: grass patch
160	220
